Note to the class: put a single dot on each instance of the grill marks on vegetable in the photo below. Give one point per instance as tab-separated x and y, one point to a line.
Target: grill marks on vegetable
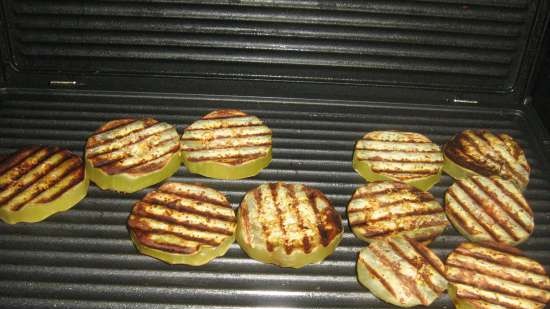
132	146
400	155
288	216
36	175
406	269
489	154
182	217
496	276
381	209
226	136
489	209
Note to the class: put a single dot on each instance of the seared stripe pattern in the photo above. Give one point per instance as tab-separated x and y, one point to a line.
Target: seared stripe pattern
489	154
36	175
401	271
381	209
226	136
288	217
489	209
403	156
182	218
132	146
496	276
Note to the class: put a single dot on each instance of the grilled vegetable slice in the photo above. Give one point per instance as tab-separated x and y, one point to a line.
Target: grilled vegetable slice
387	208
289	225
402	156
495	276
226	144
401	271
183	223
128	155
36	182
480	152
489	209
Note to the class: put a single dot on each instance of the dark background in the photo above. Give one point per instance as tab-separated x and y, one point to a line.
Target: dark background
541	95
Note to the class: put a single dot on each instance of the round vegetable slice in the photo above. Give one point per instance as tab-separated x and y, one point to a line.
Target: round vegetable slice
480	152
289	225
226	144
182	223
128	155
401	156
388	208
495	276
401	271
37	181
489	209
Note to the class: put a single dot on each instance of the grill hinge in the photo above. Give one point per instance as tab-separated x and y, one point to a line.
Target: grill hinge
64	84
462	101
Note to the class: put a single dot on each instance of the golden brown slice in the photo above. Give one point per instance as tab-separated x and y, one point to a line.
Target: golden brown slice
182	223
289	225
401	271
491	276
480	152
489	209
401	156
128	155
226	144
387	208
36	182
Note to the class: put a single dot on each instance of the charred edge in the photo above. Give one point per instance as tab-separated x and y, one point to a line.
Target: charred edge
503	248
227	127
515	174
225	114
328	216
259	208
488	231
398	150
516	219
476	297
190	210
50	151
502	260
428	258
387	232
306	245
496	274
414	213
246	222
91	143
198	197
142	238
160	133
522	203
379	277
397	142
228	136
16	158
228	147
381	159
140	212
288	247
478	136
239	158
488	210
110	126
417	172
75	179
66	156
407	282
466	278
455	151
136	225
112	168
416	264
324	237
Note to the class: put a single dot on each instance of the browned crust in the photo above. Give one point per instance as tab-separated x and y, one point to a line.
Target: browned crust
328	221
287	245
266	231
521	202
224	113
381	233
306	244
143	238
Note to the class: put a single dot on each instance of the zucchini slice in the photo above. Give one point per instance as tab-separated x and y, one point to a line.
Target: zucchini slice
226	144
401	271
489	209
401	156
181	223
480	152
289	225
495	276
36	182
128	155
388	208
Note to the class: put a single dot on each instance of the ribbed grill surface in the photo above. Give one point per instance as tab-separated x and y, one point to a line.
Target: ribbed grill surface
83	258
473	43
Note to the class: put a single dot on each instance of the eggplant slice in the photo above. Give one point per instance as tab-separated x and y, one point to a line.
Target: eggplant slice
289	225
37	181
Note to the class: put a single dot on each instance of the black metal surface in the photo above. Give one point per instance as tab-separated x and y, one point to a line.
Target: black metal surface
83	258
474	45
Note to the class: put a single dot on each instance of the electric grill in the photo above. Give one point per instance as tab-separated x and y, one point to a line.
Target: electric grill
319	73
